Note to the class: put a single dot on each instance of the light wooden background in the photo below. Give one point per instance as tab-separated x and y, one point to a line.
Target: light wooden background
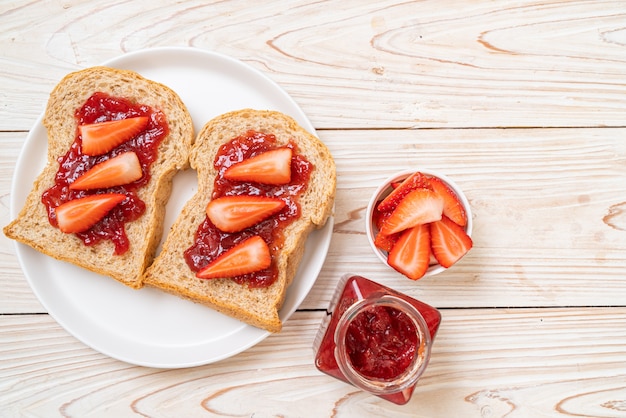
522	103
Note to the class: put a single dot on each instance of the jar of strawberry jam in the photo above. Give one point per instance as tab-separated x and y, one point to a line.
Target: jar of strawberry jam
376	338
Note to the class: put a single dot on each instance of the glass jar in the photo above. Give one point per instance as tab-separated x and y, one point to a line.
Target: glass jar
376	338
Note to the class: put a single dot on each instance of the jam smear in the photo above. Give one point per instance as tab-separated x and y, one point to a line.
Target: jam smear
101	107
210	242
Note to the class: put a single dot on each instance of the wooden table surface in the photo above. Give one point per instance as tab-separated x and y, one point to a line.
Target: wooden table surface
522	103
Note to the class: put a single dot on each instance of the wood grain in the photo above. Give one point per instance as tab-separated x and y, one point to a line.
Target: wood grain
520	102
486	363
383	64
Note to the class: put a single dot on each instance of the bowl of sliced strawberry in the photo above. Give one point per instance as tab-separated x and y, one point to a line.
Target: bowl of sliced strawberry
419	223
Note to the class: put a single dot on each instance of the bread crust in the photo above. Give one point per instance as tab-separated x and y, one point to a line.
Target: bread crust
32	227
256	306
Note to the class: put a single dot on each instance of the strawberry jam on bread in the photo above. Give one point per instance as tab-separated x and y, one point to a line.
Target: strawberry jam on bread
263	203
115	140
264	200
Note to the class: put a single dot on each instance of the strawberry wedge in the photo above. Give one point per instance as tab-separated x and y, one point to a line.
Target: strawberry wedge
122	169
420	206
78	215
449	241
236	213
411	253
270	167
452	206
100	138
416	180
248	256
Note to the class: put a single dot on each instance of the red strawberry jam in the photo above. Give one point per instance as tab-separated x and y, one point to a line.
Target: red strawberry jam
381	342
101	107
376	338
210	242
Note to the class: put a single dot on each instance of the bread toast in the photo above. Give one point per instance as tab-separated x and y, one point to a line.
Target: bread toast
32	226
256	306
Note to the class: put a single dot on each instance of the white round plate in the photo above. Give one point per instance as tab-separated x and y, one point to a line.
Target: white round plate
148	327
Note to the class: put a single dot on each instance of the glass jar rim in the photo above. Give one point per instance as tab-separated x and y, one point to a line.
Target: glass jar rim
413	371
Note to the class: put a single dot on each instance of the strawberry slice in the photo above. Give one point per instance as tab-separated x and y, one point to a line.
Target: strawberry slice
452	206
420	206
449	241
414	181
122	169
100	138
248	256
382	241
269	167
379	217
78	215
236	213
411	254
385	242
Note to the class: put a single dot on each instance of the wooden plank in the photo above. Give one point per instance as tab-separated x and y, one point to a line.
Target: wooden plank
381	64
572	180
492	362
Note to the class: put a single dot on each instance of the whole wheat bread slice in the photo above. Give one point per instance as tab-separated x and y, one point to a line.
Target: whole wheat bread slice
32	227
255	306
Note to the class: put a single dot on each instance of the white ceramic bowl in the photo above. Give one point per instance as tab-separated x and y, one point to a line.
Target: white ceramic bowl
385	188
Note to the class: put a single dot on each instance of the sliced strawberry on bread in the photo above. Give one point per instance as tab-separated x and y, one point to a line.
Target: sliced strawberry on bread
411	253
122	169
78	215
236	213
100	138
416	180
420	206
449	241
452	206
249	256
269	167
